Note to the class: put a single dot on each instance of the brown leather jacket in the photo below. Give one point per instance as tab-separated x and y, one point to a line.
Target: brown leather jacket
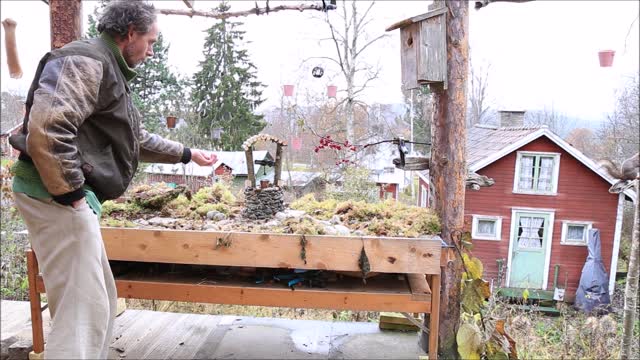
82	126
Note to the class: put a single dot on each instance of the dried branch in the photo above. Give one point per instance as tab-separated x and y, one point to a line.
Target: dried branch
254	11
483	3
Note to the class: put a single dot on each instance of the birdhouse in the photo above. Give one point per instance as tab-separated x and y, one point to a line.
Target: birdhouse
423	49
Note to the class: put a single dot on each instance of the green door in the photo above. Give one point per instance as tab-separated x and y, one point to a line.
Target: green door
528	250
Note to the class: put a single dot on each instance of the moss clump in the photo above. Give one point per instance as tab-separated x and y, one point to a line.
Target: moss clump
303	226
118	223
322	210
204	209
114	209
217	193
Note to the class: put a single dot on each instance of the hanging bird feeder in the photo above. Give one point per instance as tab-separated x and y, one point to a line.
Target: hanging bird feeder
317	72
606	57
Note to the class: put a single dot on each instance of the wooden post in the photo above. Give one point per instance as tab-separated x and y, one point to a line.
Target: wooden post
66	21
278	165
251	175
34	301
434	318
448	157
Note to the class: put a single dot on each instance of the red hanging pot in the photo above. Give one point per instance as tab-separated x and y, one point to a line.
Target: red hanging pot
332	90
288	90
606	57
296	143
171	122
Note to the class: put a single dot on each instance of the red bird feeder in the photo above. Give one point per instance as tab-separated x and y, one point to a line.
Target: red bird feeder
606	57
332	90
288	90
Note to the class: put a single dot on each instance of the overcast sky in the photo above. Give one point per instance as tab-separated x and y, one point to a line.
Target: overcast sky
541	53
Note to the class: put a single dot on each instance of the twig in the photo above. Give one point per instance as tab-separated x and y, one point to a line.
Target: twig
254	11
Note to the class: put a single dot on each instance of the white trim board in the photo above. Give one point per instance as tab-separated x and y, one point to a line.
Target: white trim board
547	256
558	141
617	235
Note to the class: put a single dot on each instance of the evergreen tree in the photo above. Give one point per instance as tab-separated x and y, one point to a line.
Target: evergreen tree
92	31
226	91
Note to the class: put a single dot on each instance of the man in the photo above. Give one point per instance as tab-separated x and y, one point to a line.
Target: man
81	144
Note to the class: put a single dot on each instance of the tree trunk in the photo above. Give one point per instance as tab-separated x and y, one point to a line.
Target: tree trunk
448	157
66	21
631	289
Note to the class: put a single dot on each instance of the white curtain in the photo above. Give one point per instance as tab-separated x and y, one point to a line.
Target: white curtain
526	173
532	232
546	174
486	227
575	233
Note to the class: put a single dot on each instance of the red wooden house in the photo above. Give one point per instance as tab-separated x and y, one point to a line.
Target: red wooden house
530	228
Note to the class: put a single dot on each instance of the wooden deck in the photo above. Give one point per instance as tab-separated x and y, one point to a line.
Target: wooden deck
142	334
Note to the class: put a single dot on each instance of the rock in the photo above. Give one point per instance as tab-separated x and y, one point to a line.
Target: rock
160	221
225	222
272	223
359	233
142	222
289	213
330	230
211	227
342	230
335	220
216	215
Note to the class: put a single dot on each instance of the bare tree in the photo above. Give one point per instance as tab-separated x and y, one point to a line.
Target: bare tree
557	122
347	35
619	134
584	140
479	106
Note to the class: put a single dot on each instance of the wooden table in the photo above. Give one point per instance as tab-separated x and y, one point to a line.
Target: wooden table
418	259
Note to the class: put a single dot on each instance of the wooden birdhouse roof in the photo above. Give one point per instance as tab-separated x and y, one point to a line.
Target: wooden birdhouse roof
417	18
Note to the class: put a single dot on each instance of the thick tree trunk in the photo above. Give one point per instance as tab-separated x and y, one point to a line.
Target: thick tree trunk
66	21
448	157
631	289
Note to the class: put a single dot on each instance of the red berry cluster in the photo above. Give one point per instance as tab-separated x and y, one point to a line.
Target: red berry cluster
326	142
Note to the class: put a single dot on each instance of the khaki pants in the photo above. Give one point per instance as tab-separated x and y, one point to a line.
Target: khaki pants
81	291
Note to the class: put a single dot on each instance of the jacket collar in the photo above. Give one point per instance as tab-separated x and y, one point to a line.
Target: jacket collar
128	72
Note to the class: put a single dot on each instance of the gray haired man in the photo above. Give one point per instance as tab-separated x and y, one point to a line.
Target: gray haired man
81	142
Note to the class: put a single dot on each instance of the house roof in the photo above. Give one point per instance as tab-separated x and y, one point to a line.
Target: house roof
299	178
8	124
236	160
487	144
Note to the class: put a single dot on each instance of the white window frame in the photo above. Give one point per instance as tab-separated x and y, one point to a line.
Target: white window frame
474	227
556	173
565	229
423	196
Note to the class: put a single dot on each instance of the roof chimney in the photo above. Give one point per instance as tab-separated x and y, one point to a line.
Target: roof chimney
511	118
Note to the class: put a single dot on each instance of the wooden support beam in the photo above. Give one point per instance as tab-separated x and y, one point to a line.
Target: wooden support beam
385	255
34	300
66	21
420	289
354	295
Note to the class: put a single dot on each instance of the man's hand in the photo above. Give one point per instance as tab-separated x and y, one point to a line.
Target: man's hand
203	158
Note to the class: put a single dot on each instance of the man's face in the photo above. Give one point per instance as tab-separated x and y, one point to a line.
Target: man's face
140	46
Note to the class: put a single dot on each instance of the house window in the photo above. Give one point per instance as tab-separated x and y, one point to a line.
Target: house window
575	232
536	173
486	227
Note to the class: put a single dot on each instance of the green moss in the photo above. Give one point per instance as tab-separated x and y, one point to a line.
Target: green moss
118	223
204	209
322	210
218	193
112	208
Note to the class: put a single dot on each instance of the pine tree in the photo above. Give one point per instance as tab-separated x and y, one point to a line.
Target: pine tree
92	31
226	91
